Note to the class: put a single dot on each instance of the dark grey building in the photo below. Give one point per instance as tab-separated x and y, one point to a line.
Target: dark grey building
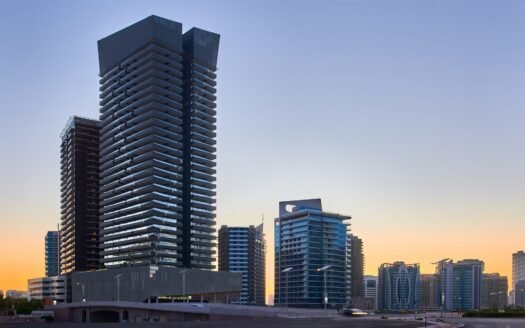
312	256
243	249
157	145
79	243
357	267
156	284
52	253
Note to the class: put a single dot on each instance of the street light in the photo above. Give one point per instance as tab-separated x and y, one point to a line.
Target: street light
183	273
285	271
83	292
325	294
441	278
118	286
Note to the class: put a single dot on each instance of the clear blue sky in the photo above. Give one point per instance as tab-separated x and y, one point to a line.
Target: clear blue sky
407	115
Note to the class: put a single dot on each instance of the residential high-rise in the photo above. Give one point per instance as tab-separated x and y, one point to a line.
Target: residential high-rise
79	249
52	253
519	293
427	292
357	267
157	145
242	249
371	289
398	287
312	256
462	283
494	290
518	274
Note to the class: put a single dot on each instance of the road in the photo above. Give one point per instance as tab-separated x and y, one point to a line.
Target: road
491	322
249	323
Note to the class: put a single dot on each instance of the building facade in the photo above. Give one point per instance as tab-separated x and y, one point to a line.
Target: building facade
243	249
312	256
494	290
398	287
357	267
462	283
519	293
157	145
428	291
79	249
17	294
518	274
48	289
156	284
370	283
52	253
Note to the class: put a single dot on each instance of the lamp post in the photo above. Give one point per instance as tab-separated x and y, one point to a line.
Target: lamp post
183	273
499	297
118	286
325	294
442	279
83	292
285	271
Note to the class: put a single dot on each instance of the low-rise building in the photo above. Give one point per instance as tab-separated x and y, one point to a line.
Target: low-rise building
17	294
155	283
48	289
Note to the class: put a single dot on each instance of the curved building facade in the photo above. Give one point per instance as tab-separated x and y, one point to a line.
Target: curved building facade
398	287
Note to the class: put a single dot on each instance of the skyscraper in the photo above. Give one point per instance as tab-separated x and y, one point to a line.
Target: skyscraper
357	267
312	255
518	274
494	291
157	145
52	253
462	283
79	249
242	249
398	287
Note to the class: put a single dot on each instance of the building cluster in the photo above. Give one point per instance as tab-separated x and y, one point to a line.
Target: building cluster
455	286
138	207
138	183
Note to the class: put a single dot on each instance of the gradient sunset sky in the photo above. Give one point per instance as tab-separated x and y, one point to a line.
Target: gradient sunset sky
407	115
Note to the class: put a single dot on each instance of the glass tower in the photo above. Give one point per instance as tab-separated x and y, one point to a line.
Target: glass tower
312	256
462	283
243	249
52	249
157	145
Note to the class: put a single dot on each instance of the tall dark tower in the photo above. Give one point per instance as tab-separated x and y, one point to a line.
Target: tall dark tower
357	267
79	233
157	145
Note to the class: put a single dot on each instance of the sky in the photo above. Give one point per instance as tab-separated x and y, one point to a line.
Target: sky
407	115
